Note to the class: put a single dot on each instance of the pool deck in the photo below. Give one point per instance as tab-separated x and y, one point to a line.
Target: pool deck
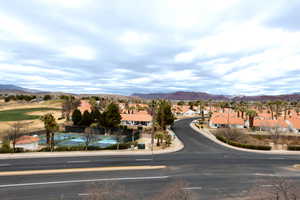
176	145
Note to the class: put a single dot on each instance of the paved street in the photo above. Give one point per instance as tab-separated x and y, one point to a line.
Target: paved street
211	170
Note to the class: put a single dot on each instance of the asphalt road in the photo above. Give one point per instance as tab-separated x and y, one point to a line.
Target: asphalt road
210	170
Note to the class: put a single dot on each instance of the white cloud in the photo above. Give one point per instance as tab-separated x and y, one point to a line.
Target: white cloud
13	28
215	46
79	52
31	70
66	3
235	38
5	56
134	38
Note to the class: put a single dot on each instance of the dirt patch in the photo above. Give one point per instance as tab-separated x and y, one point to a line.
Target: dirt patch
21	105
238	135
35	125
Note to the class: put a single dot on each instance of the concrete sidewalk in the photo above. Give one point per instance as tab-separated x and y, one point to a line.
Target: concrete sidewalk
176	145
205	132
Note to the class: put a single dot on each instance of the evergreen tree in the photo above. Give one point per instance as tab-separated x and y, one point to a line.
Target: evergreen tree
164	115
95	115
86	119
111	117
76	117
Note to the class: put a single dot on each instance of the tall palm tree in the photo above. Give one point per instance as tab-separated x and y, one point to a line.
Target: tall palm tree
51	127
152	109
278	107
251	115
270	106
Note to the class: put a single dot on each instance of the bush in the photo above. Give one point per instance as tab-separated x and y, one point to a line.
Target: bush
19	150
90	148
293	148
70	148
246	146
141	146
6	147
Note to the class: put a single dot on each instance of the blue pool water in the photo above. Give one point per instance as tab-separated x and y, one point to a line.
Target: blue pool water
77	139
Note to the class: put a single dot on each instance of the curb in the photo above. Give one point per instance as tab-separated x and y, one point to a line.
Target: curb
210	136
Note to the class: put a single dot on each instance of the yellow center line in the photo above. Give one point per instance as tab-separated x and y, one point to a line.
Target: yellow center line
74	170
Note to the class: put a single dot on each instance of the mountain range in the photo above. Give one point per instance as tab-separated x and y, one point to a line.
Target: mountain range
16	89
181	95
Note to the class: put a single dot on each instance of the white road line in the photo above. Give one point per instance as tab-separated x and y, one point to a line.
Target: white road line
5	165
85	181
143	159
83	194
78	161
192	188
260	174
267	185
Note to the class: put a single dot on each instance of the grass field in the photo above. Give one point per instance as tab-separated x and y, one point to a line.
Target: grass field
21	114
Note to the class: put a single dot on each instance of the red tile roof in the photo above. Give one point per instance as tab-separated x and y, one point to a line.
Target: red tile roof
139	116
27	139
270	123
224	118
85	105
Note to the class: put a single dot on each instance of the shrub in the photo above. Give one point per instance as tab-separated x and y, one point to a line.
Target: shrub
45	149
6	147
70	148
246	146
141	146
293	148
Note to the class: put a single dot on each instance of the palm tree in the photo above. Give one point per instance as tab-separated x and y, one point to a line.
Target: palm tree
51	126
270	105
201	105
159	136
223	105
251	114
152	109
278	106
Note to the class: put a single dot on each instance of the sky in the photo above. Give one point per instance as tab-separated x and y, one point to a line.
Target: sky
233	47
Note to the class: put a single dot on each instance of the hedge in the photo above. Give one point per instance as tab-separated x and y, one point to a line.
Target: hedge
246	146
293	148
91	148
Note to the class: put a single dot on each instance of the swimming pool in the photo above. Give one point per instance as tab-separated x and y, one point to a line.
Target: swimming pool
77	139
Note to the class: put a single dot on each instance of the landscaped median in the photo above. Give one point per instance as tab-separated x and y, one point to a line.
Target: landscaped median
293	148
246	146
229	143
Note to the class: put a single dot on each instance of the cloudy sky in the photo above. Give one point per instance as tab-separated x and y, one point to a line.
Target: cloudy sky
99	46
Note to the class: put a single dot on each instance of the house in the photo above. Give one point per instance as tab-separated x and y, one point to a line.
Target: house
85	106
295	124
269	124
141	118
189	113
183	110
224	120
28	142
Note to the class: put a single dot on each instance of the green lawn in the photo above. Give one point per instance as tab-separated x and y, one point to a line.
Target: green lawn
20	114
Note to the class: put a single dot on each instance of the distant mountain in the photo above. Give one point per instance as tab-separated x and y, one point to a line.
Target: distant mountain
182	96
16	89
206	96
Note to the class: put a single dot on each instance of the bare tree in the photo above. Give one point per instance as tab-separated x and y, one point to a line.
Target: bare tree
112	191
277	188
14	133
68	106
107	191
174	191
89	136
